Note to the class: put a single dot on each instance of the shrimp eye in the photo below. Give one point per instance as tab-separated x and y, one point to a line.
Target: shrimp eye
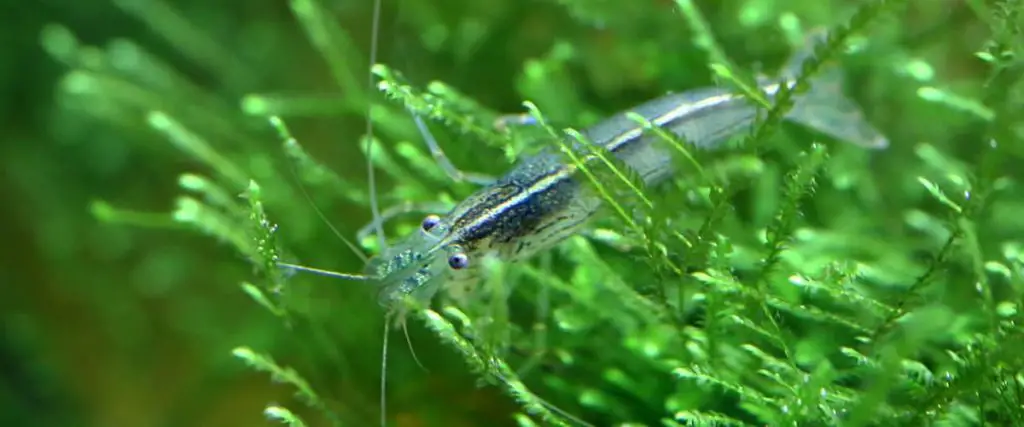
430	222
458	261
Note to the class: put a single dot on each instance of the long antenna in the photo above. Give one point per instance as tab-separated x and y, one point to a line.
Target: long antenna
384	374
289	140
370	177
374	208
322	272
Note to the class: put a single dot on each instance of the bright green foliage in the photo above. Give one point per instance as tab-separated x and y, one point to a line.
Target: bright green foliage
787	279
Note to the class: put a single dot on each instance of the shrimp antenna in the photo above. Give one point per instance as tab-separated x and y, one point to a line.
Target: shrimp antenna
286	136
384	374
322	272
371	180
370	176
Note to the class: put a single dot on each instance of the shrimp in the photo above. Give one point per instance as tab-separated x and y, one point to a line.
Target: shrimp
543	199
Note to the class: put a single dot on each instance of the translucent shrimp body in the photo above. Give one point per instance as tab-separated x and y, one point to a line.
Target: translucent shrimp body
543	199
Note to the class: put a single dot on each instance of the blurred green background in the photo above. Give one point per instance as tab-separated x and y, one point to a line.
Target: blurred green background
132	322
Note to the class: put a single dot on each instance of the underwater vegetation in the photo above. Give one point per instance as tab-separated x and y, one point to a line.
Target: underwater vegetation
165	162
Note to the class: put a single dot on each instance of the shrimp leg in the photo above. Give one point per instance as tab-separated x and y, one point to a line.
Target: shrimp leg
442	160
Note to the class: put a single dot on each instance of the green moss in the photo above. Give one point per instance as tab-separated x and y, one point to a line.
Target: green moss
788	280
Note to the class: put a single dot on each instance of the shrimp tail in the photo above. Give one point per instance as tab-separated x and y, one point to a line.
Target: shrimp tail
825	108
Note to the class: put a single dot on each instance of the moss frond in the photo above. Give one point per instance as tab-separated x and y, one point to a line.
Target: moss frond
791	281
